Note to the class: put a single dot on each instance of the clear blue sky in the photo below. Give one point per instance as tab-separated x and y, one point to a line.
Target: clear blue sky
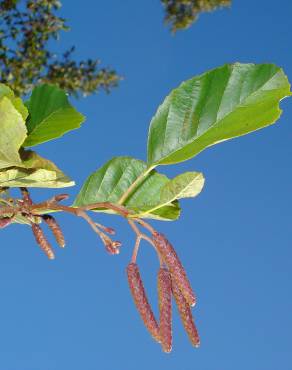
76	312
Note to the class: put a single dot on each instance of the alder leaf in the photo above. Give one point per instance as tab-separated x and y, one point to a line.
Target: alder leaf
186	185
155	196
35	172
13	133
171	212
110	182
17	102
50	115
218	105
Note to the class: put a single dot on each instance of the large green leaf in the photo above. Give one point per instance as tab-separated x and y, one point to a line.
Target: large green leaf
155	196
223	103
35	172
50	115
110	182
17	102
12	133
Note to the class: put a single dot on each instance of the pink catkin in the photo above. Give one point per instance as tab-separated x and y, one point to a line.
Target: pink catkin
186	315
175	267
42	241
141	301
165	310
55	228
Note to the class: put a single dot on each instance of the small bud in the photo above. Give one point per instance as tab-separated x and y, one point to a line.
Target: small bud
56	230
165	319
175	267
117	244
141	301
42	241
111	248
109	230
60	197
186	315
106	229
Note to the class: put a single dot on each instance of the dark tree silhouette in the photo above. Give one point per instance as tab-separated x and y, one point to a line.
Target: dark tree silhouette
26	28
180	14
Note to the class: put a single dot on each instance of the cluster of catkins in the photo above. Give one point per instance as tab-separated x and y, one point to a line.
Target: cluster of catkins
172	278
39	235
172	281
41	238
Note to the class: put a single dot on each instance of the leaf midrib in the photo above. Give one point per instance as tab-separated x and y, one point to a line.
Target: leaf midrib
160	205
186	143
46	119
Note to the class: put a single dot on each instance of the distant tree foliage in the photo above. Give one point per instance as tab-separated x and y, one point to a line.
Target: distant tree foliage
26	28
180	14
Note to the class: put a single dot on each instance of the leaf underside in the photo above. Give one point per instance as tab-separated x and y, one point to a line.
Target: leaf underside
17	102
13	133
35	171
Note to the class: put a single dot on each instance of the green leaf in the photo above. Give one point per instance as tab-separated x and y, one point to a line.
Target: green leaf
17	102
155	196
13	134
186	185
110	182
223	103
36	172
50	115
170	212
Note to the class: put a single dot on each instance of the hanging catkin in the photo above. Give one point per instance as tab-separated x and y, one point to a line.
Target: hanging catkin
141	301
56	230
42	241
175	267
186	315
165	314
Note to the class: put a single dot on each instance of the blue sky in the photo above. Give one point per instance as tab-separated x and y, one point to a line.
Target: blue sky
234	239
